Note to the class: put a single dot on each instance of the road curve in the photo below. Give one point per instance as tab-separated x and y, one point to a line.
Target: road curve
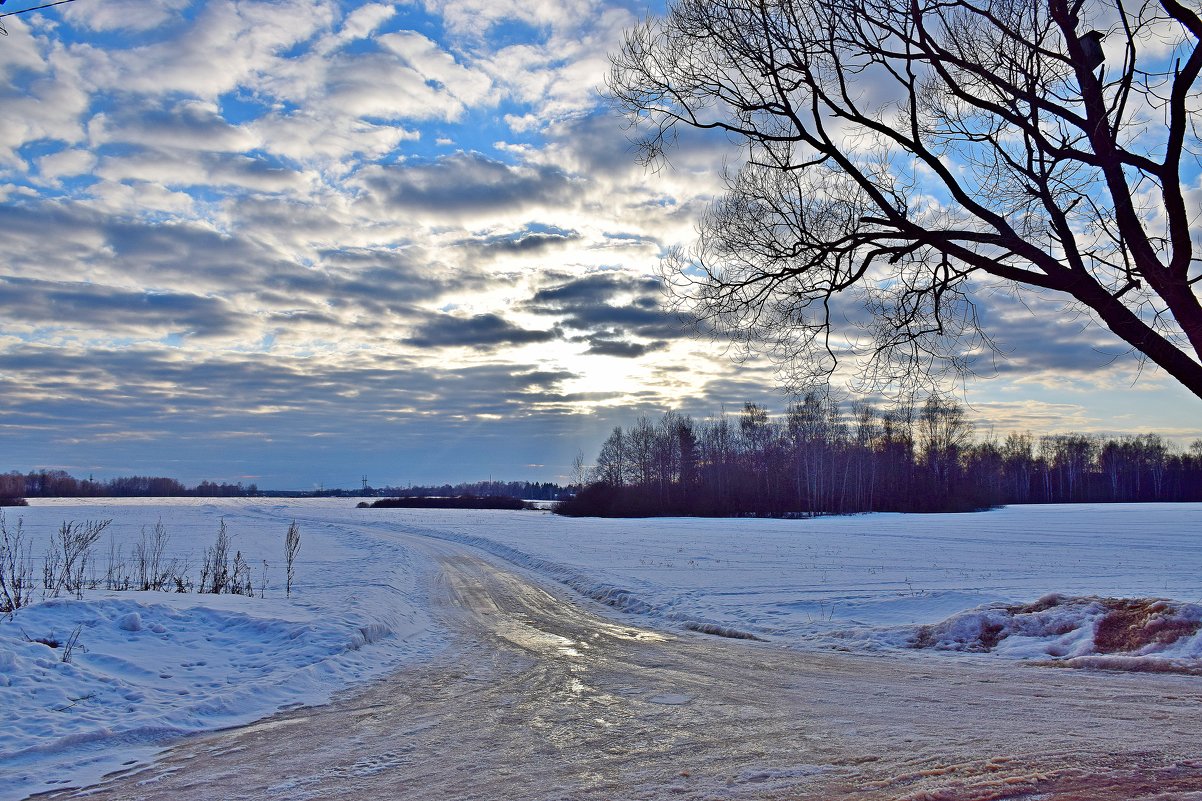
540	696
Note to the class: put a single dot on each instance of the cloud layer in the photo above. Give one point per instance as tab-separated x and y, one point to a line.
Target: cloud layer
295	239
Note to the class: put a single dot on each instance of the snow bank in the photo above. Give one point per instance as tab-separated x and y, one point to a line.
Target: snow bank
150	666
1115	633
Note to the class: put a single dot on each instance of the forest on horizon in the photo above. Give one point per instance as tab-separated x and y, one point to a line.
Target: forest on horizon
820	457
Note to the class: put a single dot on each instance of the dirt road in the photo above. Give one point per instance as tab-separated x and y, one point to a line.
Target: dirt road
541	697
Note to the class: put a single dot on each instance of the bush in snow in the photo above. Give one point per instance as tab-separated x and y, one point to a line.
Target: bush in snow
291	547
69	556
69	565
153	572
218	574
215	570
16	568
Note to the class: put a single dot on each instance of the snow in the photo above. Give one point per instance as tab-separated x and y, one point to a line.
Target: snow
863	581
150	666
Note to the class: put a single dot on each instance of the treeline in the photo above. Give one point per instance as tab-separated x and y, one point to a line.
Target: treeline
60	484
522	490
822	457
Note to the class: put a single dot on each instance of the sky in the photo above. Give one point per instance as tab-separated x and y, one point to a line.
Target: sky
299	242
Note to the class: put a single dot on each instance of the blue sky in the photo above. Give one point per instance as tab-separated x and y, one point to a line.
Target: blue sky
295	242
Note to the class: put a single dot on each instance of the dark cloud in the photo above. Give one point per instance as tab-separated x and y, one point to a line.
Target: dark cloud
622	304
483	331
604	346
192	125
53	247
594	288
209	170
520	243
97	307
468	183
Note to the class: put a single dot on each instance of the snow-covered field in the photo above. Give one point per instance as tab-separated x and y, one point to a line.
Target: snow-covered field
877	581
153	665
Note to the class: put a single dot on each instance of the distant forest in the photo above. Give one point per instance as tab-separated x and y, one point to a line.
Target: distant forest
60	484
522	490
821	457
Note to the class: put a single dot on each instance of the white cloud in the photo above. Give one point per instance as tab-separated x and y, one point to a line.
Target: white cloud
328	138
228	45
43	97
183	169
363	21
129	15
65	163
474	18
141	198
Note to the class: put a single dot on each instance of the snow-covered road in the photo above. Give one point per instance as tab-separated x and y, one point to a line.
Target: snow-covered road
542	695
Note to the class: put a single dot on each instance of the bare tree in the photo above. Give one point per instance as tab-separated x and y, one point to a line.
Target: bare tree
902	156
580	469
944	432
613	459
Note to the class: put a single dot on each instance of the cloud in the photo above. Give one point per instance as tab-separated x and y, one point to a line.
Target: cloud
363	21
604	345
125	15
463	185
520	243
97	406
620	303
173	169
482	331
89	307
43	96
65	163
252	38
475	18
188	124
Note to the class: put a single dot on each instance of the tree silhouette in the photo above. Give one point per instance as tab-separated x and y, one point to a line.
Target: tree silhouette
902	156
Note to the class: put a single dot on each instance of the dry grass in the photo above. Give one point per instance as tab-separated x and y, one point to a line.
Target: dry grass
1132	624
